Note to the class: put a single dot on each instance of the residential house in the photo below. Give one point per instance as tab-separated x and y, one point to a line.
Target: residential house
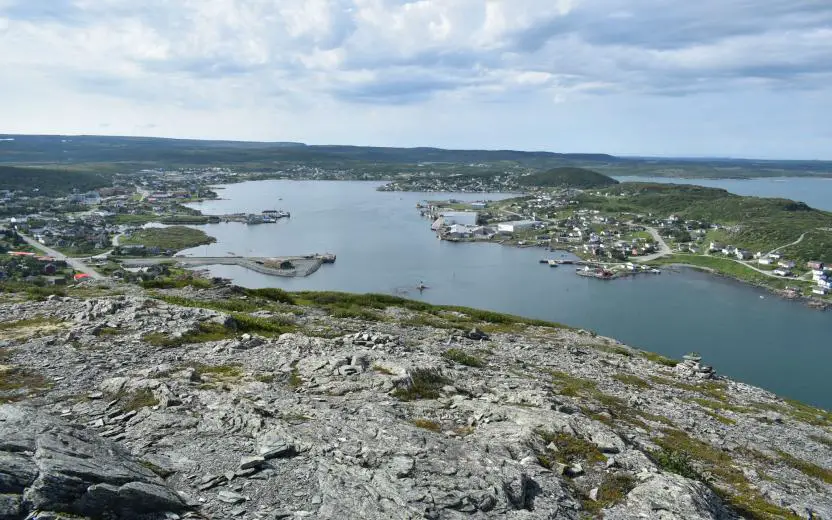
815	265
743	254
729	250
765	260
775	256
716	246
820	291
782	271
787	264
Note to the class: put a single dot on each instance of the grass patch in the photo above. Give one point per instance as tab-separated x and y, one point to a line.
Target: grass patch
173	237
425	383
800	412
463	358
631	380
205	332
569	449
572	386
613	489
294	381
688	456
383	370
427	424
807	468
658	358
17	383
467	318
39	321
217	371
675	461
137	400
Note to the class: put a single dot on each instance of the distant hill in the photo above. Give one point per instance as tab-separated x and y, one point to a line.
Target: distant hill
50	182
567	177
52	149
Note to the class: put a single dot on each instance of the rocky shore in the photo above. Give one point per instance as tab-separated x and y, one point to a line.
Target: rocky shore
264	405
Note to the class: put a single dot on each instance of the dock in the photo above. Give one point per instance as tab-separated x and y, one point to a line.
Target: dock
286	266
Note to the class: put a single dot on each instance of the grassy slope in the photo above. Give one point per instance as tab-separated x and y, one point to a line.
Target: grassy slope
762	224
567	177
174	237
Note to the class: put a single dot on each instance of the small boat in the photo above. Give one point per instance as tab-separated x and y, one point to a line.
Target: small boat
422	286
553	263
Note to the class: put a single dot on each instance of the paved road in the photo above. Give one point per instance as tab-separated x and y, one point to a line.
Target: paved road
75	263
664	249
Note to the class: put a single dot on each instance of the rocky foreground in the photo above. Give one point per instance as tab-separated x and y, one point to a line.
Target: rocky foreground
227	404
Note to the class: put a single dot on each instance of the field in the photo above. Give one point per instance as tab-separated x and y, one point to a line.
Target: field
174	237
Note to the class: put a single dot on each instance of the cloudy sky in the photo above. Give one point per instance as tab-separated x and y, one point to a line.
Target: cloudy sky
740	78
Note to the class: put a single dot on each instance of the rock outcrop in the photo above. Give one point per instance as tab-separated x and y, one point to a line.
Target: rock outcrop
49	467
129	406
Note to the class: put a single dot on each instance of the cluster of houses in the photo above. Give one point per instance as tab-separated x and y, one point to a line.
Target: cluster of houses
90	231
822	277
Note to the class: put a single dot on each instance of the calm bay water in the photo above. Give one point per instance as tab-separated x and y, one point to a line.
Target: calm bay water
383	245
816	192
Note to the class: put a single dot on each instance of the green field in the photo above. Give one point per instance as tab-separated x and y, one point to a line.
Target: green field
174	237
757	224
727	267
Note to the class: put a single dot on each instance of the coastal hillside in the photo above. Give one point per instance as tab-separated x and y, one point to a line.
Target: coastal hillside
759	224
567	177
50	182
255	404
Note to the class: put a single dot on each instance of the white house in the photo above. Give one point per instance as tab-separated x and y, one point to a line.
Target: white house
459	231
743	254
517	225
817	275
788	264
765	260
466	218
781	271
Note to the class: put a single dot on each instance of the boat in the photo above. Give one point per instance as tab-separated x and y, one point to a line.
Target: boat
327	258
422	286
553	263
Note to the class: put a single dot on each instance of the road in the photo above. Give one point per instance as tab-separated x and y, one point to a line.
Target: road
75	263
799	240
664	249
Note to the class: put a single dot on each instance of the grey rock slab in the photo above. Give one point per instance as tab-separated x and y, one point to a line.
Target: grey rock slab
76	471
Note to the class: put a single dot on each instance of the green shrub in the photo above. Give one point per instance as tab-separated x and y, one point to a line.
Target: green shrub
678	462
463	358
425	383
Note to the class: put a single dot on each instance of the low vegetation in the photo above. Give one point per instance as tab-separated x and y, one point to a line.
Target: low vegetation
169	238
632	380
567	449
812	470
17	383
463	358
613	489
690	457
425	383
137	400
572	386
427	424
567	177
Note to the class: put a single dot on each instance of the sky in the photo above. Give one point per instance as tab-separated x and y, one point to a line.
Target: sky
726	78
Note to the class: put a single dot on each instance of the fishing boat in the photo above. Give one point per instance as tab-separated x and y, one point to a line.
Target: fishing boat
553	263
422	286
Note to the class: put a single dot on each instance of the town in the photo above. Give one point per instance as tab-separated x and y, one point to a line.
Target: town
611	244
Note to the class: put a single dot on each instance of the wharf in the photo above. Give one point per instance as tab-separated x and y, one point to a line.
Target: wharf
287	266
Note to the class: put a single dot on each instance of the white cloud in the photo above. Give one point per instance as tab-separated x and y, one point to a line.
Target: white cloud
319	58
